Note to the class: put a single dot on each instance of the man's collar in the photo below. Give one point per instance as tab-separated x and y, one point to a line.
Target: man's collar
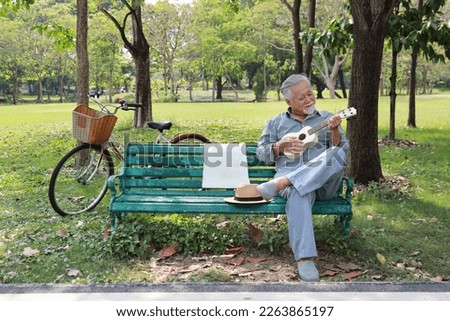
289	113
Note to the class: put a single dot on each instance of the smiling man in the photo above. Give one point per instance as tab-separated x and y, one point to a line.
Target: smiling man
311	173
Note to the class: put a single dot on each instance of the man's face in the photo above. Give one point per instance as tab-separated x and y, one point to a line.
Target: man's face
303	100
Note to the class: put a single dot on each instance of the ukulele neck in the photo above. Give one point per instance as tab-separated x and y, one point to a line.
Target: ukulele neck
316	128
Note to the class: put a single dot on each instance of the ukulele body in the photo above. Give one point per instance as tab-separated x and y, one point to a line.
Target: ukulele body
309	140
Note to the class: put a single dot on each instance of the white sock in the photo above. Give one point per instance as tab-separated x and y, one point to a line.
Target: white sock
267	190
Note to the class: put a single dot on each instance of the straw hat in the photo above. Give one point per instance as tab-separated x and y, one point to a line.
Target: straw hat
246	194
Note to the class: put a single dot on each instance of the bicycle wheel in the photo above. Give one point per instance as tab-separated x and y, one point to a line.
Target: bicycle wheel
189	138
79	181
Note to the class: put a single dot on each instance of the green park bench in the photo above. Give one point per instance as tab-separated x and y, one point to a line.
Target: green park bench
167	179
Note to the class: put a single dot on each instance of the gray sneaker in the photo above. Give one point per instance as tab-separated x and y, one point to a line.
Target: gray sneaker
308	271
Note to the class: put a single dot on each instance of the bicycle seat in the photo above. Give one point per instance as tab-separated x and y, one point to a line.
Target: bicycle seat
159	125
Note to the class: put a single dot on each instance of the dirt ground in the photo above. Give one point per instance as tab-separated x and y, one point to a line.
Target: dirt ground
249	265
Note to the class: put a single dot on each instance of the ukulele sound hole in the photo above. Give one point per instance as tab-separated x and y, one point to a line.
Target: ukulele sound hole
302	137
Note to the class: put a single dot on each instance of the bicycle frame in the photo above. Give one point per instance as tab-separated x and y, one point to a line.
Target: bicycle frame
79	180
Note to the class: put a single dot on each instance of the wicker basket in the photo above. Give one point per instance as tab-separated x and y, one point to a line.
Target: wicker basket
92	126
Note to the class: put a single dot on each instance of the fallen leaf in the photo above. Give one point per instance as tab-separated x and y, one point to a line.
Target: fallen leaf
62	233
380	277
400	265
416	264
80	223
381	258
73	272
235	250
275	219
224	257
415	253
329	273
59	278
9	276
168	251
437	278
236	261
223	225
256	233
332	268
191	268
348	266
106	233
353	275
76	199
256	260
433	220
29	252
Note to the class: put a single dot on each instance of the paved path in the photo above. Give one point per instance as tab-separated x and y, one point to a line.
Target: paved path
380	291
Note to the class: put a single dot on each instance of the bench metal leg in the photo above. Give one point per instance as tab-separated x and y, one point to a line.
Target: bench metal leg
114	218
347	224
345	221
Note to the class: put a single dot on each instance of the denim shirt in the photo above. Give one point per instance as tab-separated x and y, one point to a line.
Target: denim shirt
285	123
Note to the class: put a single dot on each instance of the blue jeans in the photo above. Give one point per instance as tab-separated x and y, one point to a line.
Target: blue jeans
319	178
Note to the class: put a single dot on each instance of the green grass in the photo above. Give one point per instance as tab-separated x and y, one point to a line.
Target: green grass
395	224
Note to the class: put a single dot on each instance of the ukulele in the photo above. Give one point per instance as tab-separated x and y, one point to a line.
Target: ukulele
309	135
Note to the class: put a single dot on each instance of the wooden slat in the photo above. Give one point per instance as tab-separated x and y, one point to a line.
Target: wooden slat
215	205
149	184
137	172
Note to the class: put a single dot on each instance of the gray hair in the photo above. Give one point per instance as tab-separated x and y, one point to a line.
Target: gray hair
291	81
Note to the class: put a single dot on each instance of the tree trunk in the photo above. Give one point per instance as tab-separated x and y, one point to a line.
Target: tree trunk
295	13
424	79
140	50
413	81
16	91
370	23
219	87
342	82
309	48
61	83
82	53
41	91
143	89
412	90
393	94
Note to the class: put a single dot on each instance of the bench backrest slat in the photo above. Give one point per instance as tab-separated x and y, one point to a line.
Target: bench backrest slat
163	183
155	172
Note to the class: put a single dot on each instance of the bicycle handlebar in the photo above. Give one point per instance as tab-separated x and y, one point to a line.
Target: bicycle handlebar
127	106
123	104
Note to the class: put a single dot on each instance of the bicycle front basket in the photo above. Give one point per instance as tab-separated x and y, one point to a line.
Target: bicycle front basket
92	126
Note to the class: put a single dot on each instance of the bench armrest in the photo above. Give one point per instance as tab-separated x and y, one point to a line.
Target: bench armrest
112	183
349	187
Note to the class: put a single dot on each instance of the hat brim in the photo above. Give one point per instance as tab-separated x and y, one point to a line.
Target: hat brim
232	200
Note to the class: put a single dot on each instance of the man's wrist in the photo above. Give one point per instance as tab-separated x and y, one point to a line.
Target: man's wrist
275	149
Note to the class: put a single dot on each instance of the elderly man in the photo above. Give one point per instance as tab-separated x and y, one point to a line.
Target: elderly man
308	173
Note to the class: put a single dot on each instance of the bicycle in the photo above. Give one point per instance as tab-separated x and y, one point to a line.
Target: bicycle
79	181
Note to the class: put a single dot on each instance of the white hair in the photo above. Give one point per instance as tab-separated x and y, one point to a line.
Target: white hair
291	81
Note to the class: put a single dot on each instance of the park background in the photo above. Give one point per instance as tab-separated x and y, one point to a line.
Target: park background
400	228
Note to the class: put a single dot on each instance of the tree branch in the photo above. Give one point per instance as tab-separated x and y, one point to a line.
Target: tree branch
279	48
118	26
287	4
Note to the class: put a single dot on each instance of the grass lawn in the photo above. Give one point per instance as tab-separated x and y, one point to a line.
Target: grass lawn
399	233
